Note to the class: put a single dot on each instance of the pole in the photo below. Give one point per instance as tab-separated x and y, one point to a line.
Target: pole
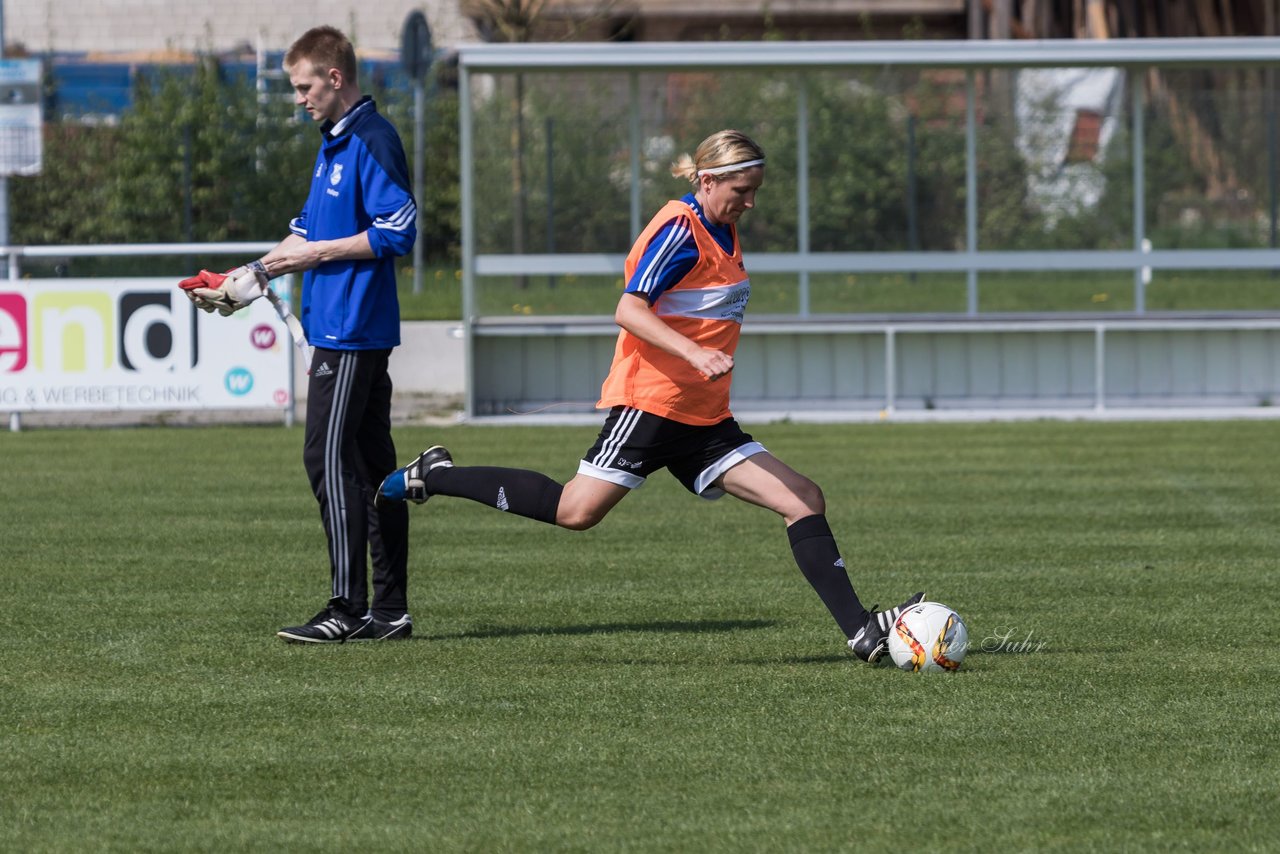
188	205
419	156
4	179
416	56
1269	78
975	20
15	418
913	213
551	193
466	188
1271	168
802	189
633	112
1138	106
913	226
970	190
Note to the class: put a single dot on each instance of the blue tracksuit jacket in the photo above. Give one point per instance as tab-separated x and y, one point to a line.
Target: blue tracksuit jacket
360	182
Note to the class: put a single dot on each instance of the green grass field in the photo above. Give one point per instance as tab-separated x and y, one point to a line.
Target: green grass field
666	682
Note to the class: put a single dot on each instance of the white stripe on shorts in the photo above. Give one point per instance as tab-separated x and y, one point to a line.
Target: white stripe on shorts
617	437
622	478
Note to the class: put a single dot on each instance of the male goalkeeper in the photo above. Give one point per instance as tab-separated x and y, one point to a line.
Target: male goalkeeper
358	218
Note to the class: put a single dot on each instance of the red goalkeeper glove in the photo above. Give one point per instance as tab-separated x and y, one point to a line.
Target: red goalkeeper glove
227	292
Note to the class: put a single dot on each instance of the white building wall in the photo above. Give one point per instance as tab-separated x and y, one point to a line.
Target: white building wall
116	26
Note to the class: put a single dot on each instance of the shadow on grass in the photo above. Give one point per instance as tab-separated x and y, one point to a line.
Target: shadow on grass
671	626
973	652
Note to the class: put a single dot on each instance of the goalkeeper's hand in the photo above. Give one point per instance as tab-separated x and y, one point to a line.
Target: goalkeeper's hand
227	292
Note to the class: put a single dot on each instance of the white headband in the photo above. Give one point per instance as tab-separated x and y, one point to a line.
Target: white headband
732	167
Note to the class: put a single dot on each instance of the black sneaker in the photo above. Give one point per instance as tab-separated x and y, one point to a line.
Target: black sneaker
379	630
873	638
332	625
410	482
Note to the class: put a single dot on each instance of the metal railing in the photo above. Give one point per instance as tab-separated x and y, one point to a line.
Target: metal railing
971	56
15	254
798	59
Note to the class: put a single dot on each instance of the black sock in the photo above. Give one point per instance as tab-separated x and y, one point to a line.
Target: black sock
519	491
815	551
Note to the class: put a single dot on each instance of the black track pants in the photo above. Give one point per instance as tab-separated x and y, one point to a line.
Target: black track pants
347	452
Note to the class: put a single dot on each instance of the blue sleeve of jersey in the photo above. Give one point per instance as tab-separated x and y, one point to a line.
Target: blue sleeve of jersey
667	259
384	179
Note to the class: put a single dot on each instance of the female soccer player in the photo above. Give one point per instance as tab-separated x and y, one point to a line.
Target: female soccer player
668	395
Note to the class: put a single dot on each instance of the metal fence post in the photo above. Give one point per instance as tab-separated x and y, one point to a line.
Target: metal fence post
970	190
466	186
802	189
890	369
1099	367
633	119
1139	189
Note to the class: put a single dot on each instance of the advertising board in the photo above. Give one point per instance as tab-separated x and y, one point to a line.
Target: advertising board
114	344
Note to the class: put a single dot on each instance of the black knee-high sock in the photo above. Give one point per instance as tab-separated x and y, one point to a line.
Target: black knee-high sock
519	491
815	551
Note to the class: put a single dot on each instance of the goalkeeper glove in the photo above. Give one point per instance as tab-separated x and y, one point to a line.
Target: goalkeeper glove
227	292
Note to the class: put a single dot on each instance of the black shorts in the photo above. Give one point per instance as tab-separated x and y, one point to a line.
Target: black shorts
633	445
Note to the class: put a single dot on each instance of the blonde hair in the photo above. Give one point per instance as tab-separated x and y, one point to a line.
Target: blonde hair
724	148
324	48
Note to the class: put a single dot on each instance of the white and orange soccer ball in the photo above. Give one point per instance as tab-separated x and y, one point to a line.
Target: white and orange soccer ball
928	637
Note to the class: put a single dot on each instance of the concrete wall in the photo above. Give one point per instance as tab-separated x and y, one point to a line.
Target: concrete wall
430	358
428	371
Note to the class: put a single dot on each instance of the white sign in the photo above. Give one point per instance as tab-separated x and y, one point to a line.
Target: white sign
117	344
21	117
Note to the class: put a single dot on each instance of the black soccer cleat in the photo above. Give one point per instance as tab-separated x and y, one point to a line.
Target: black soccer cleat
380	630
410	482
871	641
332	625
